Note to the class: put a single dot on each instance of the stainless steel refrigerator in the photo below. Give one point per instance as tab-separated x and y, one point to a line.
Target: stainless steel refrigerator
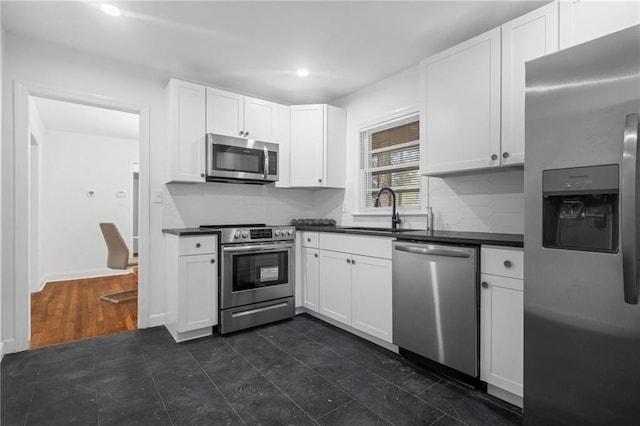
582	230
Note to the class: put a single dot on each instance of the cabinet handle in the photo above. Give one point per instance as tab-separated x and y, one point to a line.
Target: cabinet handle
320	180
246	133
315	254
241	133
505	155
507	264
494	156
201	174
308	240
198	245
353	262
348	261
213	261
484	284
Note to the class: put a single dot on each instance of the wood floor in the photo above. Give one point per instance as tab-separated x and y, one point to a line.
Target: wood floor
65	311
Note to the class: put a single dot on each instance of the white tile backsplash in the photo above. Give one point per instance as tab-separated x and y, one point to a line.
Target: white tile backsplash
483	202
192	205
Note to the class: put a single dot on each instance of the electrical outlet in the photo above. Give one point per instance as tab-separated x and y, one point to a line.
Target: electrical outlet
344	207
156	197
91	192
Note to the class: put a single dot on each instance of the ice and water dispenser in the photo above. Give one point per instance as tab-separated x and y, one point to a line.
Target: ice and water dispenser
580	208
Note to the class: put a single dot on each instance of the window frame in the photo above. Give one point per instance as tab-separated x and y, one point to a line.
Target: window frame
384	211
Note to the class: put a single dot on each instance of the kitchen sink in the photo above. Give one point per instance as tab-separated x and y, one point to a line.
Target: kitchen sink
368	228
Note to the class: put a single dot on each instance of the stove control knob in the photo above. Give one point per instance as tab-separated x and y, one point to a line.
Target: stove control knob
276	232
237	234
290	232
245	234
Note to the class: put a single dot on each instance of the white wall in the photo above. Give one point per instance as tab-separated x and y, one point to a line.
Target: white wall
188	205
73	163
478	202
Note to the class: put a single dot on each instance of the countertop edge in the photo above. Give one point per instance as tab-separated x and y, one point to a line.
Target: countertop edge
452	237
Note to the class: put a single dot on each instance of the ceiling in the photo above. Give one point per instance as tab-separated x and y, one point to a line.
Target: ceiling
255	47
77	118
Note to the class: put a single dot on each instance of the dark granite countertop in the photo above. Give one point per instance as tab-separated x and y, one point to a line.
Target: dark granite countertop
453	237
182	232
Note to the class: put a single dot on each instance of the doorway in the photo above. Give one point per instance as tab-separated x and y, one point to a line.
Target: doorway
84	166
32	270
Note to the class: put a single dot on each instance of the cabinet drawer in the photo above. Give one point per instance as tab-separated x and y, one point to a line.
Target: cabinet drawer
310	239
364	246
503	261
197	245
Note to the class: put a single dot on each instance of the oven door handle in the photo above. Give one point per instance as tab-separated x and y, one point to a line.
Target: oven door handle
255	248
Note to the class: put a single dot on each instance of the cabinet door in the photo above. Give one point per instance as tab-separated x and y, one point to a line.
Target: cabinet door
584	20
335	285
197	292
460	106
528	37
259	119
371	292
310	277
502	332
307	146
187	136
225	113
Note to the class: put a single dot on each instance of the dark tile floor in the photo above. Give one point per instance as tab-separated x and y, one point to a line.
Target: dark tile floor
296	372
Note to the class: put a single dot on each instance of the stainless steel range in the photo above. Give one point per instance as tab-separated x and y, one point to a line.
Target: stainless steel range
256	276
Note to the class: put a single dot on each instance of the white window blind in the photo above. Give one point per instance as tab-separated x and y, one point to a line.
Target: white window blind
391	157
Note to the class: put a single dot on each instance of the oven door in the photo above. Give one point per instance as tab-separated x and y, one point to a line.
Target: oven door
256	272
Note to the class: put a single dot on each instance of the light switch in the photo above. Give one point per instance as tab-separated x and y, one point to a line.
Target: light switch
121	194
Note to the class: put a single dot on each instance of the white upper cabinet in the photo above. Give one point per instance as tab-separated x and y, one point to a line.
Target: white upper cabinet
584	20
472	95
186	147
528	37
460	99
317	146
232	114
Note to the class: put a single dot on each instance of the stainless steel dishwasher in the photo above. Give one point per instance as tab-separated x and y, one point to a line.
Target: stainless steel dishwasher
435	303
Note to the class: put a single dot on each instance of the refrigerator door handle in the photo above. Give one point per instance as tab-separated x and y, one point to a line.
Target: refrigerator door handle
630	235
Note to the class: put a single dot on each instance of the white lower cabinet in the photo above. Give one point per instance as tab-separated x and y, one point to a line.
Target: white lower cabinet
335	285
371	305
354	286
191	286
502	323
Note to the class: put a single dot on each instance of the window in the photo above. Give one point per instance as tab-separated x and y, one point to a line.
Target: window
391	157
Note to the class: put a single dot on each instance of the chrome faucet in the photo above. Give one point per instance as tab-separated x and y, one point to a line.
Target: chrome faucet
395	217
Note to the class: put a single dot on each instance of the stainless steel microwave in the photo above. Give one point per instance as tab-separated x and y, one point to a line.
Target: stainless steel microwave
231	159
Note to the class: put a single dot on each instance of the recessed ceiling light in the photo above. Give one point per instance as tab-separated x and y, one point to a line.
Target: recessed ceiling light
110	10
302	72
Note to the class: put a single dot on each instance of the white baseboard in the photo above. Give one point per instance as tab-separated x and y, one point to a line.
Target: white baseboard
156	320
7	346
505	395
76	275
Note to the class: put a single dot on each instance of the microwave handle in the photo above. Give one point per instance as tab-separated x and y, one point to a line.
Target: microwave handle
266	162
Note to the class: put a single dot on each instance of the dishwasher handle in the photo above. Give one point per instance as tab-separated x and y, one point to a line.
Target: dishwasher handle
435	251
